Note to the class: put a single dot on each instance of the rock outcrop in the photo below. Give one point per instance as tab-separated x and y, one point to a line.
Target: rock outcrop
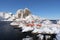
22	13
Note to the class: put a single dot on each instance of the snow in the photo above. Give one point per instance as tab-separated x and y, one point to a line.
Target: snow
26	29
4	16
11	18
46	26
58	22
14	23
47	22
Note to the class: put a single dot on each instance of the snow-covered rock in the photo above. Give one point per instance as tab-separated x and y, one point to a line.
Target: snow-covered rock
27	18
14	23
47	22
5	16
58	22
11	18
26	29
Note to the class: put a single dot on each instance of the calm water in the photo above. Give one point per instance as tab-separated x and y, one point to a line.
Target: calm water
7	32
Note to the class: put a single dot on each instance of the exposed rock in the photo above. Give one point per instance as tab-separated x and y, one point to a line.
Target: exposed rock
26	12
19	13
22	13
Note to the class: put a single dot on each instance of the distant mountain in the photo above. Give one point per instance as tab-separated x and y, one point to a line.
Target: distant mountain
4	16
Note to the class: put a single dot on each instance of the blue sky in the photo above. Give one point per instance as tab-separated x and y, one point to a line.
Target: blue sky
44	8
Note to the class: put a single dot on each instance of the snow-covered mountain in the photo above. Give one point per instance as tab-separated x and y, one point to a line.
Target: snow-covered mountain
29	22
5	16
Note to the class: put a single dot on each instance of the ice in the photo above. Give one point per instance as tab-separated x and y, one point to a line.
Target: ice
26	29
27	38
35	31
14	23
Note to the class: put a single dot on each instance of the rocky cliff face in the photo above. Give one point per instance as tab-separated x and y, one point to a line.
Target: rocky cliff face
22	13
